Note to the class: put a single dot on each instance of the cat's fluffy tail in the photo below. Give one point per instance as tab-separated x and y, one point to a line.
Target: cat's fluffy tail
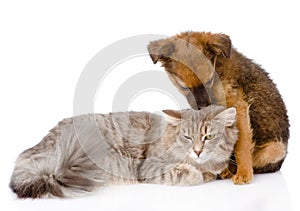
59	170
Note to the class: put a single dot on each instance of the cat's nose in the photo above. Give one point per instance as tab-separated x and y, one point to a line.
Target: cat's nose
197	152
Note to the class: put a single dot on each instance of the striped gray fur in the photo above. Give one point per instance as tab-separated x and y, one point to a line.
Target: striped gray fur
88	151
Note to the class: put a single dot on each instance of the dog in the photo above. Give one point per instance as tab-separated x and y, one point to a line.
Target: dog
206	69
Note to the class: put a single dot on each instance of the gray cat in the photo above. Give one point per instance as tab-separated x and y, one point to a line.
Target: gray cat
81	153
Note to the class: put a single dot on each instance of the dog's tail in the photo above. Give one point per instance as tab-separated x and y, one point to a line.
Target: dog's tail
60	170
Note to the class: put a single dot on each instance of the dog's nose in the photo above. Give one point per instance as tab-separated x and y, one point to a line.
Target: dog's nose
200	107
201	96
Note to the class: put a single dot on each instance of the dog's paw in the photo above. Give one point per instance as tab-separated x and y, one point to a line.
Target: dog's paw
242	177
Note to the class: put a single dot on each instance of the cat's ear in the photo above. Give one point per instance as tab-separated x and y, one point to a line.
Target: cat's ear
172	113
172	116
228	116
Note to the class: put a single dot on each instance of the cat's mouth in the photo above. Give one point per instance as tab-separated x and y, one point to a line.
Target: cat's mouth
201	158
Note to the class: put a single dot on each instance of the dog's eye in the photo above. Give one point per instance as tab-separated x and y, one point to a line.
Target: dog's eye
182	86
209	83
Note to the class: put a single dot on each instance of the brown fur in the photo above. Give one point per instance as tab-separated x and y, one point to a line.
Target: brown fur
271	152
216	73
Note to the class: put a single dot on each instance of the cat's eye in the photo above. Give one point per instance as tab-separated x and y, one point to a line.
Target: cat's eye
188	138
209	137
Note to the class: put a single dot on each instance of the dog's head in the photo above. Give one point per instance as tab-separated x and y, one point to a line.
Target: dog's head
189	59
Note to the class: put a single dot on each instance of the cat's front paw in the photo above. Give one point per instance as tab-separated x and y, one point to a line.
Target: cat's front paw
243	177
226	174
208	176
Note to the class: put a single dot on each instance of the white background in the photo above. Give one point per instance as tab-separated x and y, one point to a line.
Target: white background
45	46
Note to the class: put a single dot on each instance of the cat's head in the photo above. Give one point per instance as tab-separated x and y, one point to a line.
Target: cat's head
206	135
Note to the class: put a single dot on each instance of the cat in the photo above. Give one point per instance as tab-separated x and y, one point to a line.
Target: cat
186	147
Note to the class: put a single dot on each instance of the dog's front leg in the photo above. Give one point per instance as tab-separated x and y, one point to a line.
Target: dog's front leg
244	145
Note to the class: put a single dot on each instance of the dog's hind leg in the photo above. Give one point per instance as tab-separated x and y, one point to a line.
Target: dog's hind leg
269	157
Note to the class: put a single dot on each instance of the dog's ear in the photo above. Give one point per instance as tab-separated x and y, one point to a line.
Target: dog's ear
160	48
219	44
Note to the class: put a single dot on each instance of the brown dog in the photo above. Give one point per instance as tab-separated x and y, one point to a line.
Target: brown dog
207	70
